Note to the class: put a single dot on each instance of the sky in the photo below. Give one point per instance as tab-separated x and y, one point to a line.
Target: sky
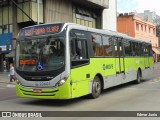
139	6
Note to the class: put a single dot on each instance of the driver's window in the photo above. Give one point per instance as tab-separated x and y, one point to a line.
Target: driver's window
79	49
79	52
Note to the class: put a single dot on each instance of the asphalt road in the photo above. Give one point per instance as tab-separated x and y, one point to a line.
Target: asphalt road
7	91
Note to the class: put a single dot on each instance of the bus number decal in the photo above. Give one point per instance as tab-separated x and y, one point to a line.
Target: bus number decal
42	84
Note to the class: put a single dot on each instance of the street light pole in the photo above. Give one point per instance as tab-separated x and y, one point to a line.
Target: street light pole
38	12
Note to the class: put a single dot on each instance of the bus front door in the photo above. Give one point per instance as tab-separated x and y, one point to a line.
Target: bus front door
119	56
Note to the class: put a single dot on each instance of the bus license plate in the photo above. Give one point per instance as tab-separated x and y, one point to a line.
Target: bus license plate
42	84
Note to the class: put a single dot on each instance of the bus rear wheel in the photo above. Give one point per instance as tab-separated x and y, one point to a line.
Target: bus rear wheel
138	80
96	88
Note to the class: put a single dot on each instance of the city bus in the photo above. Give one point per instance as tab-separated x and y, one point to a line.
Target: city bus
67	60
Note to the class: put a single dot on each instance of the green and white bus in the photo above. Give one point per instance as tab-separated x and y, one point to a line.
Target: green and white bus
66	60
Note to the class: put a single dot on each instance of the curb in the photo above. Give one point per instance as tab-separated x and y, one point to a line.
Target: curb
156	79
7	82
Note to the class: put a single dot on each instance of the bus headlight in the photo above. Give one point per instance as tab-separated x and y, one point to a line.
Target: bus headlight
17	81
61	82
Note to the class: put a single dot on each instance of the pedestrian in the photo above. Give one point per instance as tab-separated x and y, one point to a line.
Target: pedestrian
12	76
4	64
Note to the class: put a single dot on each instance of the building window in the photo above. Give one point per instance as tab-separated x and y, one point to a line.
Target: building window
40	1
5	16
142	27
145	28
137	26
84	16
149	29
30	8
154	31
6	28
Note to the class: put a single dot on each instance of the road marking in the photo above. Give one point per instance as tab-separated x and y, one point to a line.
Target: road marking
155	81
2	88
11	86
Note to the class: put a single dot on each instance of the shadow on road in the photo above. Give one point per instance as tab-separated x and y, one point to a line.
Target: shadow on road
52	102
122	86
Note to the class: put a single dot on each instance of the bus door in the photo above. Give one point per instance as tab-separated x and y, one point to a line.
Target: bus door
119	54
146	55
79	73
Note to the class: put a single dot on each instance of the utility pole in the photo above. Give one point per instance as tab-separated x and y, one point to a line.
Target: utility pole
37	12
15	27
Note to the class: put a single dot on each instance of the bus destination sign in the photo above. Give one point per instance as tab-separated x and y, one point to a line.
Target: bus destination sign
40	30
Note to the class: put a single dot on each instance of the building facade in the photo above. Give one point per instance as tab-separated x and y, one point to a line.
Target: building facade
150	16
134	26
16	14
110	16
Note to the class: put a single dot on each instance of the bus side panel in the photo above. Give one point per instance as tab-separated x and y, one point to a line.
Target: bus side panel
133	64
131	67
110	72
83	76
79	81
148	71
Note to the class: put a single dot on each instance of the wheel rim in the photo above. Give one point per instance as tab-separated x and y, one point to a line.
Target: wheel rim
96	88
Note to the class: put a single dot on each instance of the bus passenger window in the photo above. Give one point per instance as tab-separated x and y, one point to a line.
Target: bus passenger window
128	48
133	49
140	49
97	45
150	51
146	50
108	46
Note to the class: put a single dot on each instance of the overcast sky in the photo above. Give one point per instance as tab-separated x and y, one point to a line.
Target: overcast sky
138	6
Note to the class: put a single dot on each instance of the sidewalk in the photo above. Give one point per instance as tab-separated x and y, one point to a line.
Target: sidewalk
4	78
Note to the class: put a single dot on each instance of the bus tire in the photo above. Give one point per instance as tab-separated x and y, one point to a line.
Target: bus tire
96	88
138	80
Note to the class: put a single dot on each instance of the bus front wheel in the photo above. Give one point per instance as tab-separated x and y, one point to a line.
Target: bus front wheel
96	88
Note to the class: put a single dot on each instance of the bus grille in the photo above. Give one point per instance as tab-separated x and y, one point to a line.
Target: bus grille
43	93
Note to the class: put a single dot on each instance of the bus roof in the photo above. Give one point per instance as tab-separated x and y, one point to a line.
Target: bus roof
63	25
42	29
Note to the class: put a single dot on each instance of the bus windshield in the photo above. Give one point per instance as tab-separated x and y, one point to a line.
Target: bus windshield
40	54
